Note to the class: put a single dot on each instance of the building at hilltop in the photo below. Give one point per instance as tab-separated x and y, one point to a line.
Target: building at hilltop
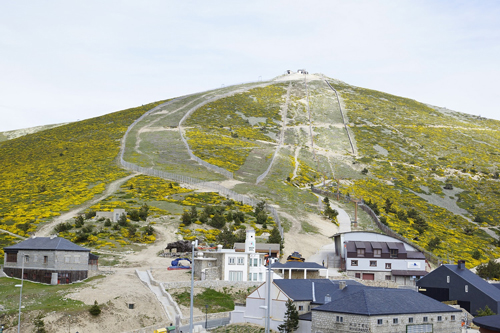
51	260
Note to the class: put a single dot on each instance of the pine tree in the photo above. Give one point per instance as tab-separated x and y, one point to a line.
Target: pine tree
291	322
39	324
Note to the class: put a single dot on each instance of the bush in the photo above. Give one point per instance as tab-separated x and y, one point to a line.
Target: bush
95	309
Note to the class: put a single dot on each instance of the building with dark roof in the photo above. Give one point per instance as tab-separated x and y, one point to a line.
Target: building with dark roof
53	260
305	294
384	310
299	270
457	283
373	256
488	324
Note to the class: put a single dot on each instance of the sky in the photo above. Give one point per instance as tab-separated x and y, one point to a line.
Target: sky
63	61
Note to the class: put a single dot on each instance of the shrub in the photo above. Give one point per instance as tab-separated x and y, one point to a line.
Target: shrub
95	310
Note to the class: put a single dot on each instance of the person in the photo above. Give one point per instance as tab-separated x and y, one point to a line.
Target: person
323	263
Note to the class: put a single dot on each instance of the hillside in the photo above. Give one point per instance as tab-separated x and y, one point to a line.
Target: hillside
199	163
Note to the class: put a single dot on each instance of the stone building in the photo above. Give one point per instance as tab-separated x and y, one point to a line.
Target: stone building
53	260
384	310
113	215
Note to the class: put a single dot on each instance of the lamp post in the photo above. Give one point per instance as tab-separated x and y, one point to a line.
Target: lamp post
69	323
21	294
206	315
194	245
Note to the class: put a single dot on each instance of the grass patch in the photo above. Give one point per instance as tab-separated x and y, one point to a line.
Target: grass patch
216	301
40	297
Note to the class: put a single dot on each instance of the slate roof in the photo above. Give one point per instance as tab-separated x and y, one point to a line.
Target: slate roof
46	244
471	278
302	289
489	322
383	301
297	265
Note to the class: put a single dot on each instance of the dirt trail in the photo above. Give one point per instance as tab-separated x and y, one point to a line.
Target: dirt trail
12	234
46	229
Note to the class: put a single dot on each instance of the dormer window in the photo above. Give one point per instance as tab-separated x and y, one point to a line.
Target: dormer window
394	253
377	253
361	252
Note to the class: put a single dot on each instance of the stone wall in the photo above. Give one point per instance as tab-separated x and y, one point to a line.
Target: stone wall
56	260
327	322
211	284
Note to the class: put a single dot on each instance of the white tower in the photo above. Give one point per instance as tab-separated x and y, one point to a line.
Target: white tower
250	241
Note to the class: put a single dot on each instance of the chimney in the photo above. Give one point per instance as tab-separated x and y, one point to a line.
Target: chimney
219	248
461	264
328	298
53	236
342	285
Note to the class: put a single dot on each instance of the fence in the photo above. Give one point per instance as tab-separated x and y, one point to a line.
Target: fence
343	119
384	228
189	180
282	136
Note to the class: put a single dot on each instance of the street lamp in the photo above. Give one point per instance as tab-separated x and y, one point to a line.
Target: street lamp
194	245
206	315
21	293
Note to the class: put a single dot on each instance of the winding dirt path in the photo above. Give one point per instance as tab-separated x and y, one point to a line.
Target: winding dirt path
46	229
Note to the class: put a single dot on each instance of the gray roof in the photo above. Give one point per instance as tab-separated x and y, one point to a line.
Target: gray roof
297	265
474	280
47	244
489	322
302	289
384	301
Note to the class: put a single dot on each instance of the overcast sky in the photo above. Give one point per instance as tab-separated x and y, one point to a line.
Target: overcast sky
64	61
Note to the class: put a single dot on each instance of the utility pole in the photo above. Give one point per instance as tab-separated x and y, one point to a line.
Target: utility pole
268	310
194	245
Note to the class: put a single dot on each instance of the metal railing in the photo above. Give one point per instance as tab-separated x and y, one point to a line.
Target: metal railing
384	228
190	180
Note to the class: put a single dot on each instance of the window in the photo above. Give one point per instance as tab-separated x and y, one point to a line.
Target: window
260	276
309	308
361	252
377	253
440	318
231	261
11	257
67	259
453	318
235	275
380	321
354	263
388	277
357	275
394	253
255	262
340	319
301	308
373	263
255	276
249	276
241	260
45	259
466	288
388	265
410	320
426	319
448	279
395	320
26	258
77	259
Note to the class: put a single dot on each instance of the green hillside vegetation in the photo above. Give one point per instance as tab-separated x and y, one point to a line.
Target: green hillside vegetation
441	166
431	174
48	172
